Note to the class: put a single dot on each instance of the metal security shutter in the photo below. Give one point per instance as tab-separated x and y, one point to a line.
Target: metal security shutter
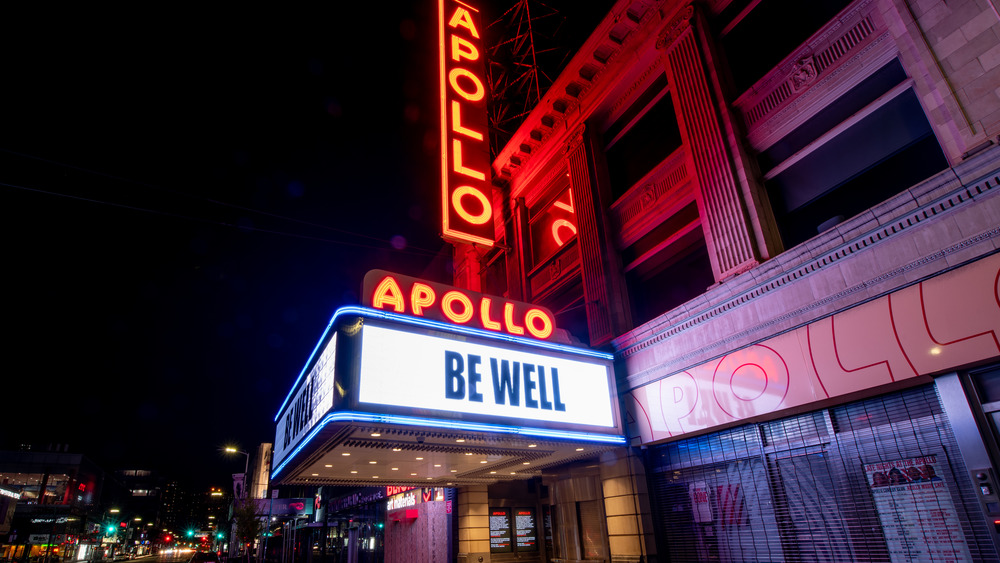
875	480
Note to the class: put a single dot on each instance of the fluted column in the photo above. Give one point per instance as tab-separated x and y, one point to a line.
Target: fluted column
736	230
603	287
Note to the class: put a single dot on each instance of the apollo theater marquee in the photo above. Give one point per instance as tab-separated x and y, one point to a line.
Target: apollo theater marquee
432	385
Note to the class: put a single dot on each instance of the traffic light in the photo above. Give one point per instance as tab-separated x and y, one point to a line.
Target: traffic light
190	533
219	535
111	529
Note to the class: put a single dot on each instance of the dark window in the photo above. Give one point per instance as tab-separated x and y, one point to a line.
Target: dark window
880	82
770	32
494	276
888	151
669	278
631	155
553	225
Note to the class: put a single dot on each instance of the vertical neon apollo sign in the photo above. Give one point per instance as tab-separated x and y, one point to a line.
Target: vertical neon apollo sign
467	211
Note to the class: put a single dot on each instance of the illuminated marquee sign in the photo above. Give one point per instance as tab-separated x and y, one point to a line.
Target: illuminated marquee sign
429	372
379	366
313	399
420	298
467	210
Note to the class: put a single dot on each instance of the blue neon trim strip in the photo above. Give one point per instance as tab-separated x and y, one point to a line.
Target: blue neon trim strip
437	325
351	416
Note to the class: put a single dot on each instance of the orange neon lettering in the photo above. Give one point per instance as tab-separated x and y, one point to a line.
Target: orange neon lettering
388	293
456	146
462	48
538	315
484	315
562	223
456	202
474	96
447	302
508	319
421	295
462	18
456	122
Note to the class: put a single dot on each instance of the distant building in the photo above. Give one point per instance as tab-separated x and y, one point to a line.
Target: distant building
57	510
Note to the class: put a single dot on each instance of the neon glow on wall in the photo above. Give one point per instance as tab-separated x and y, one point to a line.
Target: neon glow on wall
467	209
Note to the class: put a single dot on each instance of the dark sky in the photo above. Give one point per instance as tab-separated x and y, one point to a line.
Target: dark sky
187	196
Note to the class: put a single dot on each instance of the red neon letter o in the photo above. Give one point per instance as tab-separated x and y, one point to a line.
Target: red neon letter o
538	315
446	307
474	96
456	203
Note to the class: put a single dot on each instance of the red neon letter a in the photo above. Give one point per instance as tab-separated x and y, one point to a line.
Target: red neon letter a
388	293
462	18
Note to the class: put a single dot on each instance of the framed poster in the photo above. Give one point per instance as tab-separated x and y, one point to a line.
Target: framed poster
918	516
500	533
525	529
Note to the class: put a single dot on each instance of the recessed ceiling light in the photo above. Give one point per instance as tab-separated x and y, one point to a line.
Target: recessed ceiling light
420	459
454	471
375	434
346	453
513	473
315	474
395	469
372	462
328	465
353	471
579	449
532	445
437	465
397	449
429	478
493	472
484	461
468	453
414	475
526	463
376	476
460	440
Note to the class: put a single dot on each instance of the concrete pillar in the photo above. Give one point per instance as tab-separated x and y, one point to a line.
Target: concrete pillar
626	507
739	227
473	524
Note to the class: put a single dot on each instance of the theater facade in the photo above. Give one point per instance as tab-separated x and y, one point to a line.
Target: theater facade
773	226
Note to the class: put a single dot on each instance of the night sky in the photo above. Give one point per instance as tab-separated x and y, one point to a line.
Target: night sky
187	196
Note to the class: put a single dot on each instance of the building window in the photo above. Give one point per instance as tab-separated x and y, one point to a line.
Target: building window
494	273
553	224
642	138
670	266
883	153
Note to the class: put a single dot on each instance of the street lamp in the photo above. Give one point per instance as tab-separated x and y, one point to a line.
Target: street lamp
232	450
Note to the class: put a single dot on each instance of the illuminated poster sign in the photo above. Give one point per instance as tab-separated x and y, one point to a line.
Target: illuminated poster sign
421	298
500	530
431	372
465	152
311	402
524	529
